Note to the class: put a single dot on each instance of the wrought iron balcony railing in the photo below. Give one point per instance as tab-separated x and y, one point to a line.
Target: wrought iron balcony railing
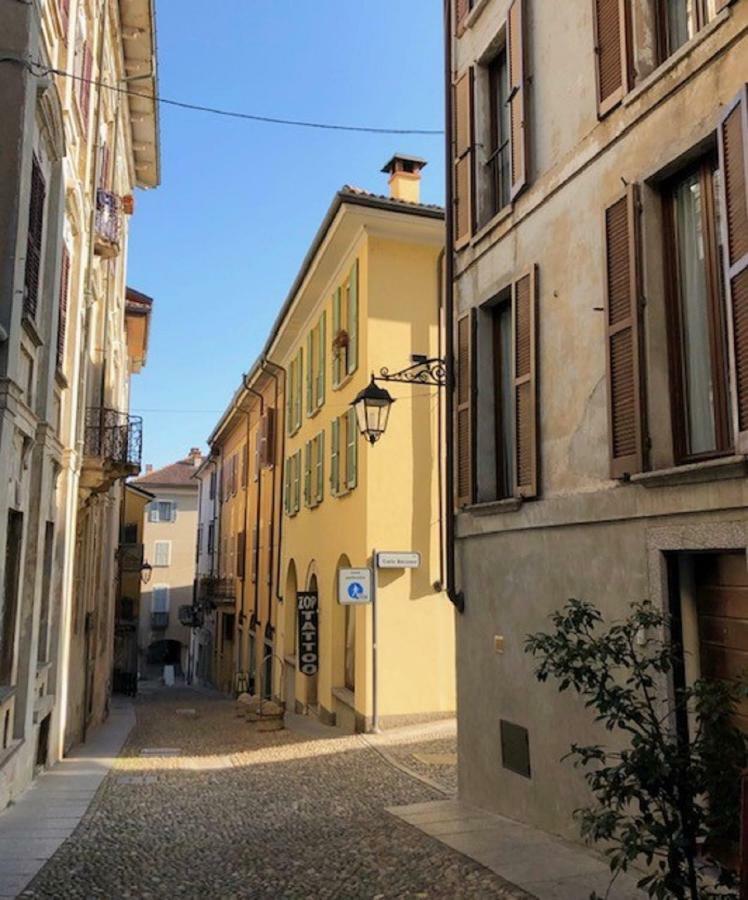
159	620
115	437
108	223
130	557
217	589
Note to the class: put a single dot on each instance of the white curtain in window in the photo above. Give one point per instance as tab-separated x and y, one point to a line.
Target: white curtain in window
160	599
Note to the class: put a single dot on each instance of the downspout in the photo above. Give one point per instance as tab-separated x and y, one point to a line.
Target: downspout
258	511
456	596
264	363
281	432
439	414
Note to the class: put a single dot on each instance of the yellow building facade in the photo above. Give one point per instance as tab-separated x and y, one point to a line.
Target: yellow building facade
367	297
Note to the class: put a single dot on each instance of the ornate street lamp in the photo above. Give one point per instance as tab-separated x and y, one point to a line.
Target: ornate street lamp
373	404
145	572
372	407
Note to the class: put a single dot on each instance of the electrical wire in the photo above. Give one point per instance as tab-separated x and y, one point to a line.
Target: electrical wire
234	114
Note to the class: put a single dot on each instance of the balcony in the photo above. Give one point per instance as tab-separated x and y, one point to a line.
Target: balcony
217	590
159	621
126	612
190	616
130	557
108	224
112	448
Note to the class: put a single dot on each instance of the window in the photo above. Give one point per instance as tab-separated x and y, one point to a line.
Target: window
292	485
294	379
344	453
62	314
345	328
32	277
82	66
211	537
199	543
161	553
696	315
212	485
245	464
162	511
678	21
241	553
497	162
160	598
129	533
314	469
315	366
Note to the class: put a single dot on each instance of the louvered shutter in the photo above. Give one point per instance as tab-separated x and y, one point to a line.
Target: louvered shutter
319	463
297	481
289	397
463	157
462	8
335	457
299	380
309	373
352	355
517	103
525	384
241	553
322	338
465	457
287	487
733	160
308	473
337	365
351	452
34	240
62	314
85	84
623	336
611	52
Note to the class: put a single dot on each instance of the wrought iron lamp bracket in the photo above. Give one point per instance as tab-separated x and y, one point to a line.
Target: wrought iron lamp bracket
431	371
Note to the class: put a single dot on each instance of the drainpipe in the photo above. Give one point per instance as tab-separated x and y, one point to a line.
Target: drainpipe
257	394
264	364
280	436
439	414
455	595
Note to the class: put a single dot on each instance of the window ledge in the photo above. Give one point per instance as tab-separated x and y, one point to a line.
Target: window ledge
61	380
345	696
9	752
474	13
7	691
29	326
492	507
492	223
345	381
694	473
672	61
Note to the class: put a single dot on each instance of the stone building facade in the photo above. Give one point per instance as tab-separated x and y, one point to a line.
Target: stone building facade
600	238
70	159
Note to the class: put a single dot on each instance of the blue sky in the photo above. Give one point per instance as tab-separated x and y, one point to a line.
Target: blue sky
218	244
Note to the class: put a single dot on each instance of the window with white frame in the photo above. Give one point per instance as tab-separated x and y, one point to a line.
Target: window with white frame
162	511
160	598
161	553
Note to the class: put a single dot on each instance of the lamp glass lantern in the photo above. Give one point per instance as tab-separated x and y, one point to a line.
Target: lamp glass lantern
372	407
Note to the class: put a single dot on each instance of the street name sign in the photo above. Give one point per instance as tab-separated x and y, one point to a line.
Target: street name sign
399	560
354	586
307	605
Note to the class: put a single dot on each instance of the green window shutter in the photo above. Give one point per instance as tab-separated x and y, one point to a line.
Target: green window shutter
320	464
351	450
299	383
308	473
287	487
335	457
337	356
309	374
353	320
322	332
289	397
297	481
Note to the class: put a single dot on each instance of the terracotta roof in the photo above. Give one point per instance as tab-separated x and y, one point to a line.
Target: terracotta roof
178	474
393	201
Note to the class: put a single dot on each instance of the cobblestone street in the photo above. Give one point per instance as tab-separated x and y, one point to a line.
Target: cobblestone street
198	804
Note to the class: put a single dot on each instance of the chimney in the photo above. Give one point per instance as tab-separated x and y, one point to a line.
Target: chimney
405	177
196	456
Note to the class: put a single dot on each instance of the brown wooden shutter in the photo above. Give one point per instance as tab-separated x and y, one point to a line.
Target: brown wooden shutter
241	553
517	121
733	160
524	333
462	8
464	440
623	335
267	438
62	314
463	156
34	240
611	52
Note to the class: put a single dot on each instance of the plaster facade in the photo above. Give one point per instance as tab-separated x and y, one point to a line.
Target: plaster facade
584	534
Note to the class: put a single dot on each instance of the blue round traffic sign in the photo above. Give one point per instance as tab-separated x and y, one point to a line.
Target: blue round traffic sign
355	590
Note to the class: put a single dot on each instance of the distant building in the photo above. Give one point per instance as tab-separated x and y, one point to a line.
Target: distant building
601	305
169	539
206	557
302	495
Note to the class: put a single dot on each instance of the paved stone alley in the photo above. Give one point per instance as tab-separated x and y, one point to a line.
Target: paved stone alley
198	805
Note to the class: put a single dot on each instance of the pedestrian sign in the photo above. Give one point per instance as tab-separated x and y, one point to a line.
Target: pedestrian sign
354	586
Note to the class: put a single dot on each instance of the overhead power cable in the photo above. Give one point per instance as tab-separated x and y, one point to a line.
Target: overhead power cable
236	114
